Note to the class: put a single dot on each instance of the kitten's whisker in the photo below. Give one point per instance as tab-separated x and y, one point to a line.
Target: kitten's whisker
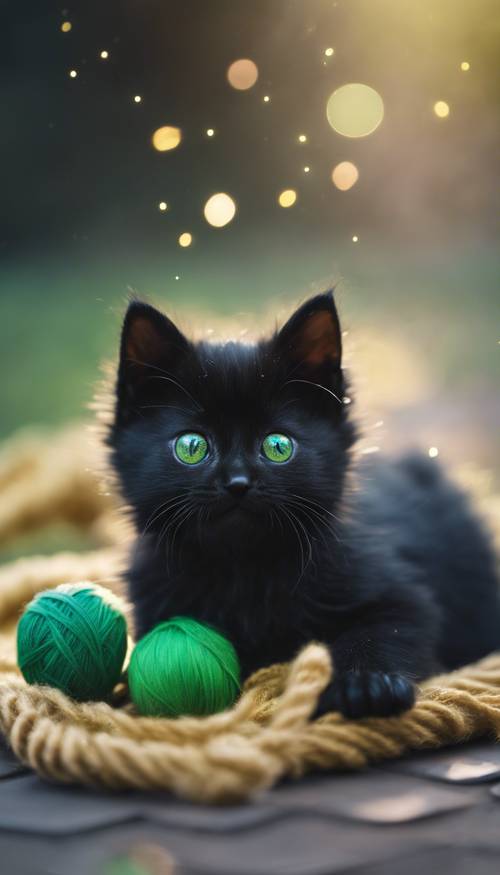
167	377
290	518
316	503
183	522
179	386
316	386
314	521
318	518
161	407
294	519
162	508
179	509
159	510
275	516
183	518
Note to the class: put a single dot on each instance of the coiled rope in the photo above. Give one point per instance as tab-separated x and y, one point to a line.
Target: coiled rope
223	758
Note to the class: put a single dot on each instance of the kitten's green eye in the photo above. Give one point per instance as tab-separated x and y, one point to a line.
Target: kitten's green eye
191	448
277	447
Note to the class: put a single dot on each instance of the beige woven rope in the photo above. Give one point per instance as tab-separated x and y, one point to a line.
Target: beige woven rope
226	757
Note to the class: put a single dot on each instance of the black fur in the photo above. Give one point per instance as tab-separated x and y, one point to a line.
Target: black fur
383	562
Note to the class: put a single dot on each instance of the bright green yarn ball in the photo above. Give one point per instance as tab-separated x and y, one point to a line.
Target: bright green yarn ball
183	667
74	638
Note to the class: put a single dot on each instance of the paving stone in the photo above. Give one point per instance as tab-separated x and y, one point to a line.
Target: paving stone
384	799
295	846
436	861
467	764
495	791
36	806
185	815
9	765
30	805
371	823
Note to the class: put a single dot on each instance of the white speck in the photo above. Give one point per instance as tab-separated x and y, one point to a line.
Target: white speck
433	452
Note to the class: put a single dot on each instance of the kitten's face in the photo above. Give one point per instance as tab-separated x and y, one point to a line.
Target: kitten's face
231	443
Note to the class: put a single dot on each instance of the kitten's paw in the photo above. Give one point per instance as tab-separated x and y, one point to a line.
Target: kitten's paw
367	694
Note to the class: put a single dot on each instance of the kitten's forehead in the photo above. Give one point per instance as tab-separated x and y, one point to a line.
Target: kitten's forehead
236	376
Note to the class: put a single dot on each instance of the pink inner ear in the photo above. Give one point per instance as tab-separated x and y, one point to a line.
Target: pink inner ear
318	340
143	343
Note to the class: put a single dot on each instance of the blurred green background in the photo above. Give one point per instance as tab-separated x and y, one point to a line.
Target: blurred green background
81	224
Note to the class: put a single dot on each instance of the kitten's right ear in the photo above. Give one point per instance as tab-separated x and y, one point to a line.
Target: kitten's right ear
151	345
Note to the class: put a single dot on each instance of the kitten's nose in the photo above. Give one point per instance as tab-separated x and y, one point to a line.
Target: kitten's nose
238	485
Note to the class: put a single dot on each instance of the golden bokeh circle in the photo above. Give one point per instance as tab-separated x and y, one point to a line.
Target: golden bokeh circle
287	197
166	138
441	109
219	210
242	74
355	110
185	239
345	175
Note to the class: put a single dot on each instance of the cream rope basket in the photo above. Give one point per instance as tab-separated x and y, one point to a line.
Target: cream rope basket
227	757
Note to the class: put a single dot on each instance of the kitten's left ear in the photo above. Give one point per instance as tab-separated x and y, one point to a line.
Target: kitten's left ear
311	341
151	346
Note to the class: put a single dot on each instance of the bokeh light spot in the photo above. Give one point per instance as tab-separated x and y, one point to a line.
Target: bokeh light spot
441	109
210	132
306	169
137	98
73	74
266	98
185	239
104	54
433	452
355	238
287	197
302	138
355	110
242	74
166	138
66	26
465	66
163	206
219	210
345	175
329	52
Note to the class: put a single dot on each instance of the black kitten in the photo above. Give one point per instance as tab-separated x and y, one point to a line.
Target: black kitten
252	516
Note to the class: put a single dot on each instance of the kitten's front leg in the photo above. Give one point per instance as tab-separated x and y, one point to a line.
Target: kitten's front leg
378	659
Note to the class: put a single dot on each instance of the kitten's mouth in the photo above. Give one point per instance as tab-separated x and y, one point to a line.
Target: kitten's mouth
232	506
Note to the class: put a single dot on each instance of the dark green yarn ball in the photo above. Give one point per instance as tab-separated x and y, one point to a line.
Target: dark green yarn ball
183	667
74	638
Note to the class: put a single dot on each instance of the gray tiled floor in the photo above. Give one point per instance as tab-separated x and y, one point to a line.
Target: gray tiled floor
432	812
